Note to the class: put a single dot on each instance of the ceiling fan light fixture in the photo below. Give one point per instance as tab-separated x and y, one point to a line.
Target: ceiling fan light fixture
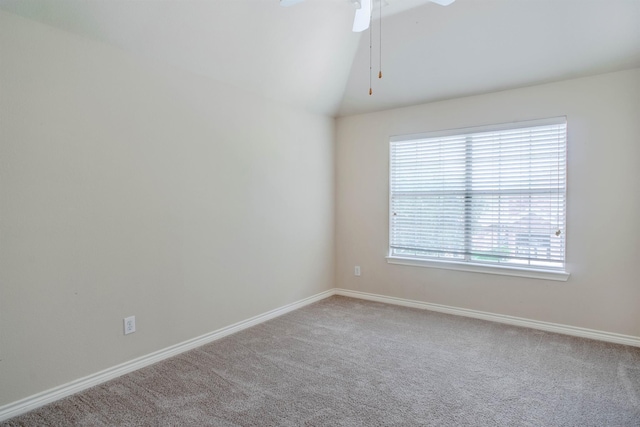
442	2
287	3
363	16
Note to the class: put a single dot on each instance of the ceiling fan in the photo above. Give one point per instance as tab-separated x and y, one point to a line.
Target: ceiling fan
363	11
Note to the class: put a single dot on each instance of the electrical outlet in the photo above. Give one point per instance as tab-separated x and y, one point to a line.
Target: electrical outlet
357	270
129	325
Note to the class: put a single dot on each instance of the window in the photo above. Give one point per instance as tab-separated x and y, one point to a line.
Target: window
488	199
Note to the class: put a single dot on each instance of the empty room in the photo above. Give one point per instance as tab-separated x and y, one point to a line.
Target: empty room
320	213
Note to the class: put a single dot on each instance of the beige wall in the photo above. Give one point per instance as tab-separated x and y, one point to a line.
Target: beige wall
131	188
603	210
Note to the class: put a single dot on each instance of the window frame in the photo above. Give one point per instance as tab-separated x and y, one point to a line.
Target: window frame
470	266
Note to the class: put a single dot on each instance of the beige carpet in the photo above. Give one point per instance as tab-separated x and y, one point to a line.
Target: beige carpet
346	362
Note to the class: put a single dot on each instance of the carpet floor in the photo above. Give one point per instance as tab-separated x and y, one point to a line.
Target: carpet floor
348	362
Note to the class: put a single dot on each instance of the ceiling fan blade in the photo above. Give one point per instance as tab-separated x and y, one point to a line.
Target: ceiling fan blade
289	2
442	2
363	16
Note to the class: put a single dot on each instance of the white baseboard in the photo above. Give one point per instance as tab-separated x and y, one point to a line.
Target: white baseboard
500	318
32	402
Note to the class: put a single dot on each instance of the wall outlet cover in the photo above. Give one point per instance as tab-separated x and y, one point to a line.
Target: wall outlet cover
129	325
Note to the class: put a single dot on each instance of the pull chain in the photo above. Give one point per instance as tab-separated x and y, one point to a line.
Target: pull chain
380	44
370	67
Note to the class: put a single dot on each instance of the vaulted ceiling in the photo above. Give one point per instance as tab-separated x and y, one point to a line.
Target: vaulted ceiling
307	56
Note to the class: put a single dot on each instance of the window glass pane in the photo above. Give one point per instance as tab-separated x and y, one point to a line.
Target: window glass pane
490	195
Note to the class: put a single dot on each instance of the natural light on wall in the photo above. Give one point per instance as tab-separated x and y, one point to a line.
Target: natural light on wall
489	199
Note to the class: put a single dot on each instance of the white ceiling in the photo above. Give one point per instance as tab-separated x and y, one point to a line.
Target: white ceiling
306	55
477	46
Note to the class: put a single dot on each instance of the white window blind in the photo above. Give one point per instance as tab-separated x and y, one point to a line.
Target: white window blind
493	195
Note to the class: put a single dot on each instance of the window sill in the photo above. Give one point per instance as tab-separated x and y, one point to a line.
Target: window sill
561	276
